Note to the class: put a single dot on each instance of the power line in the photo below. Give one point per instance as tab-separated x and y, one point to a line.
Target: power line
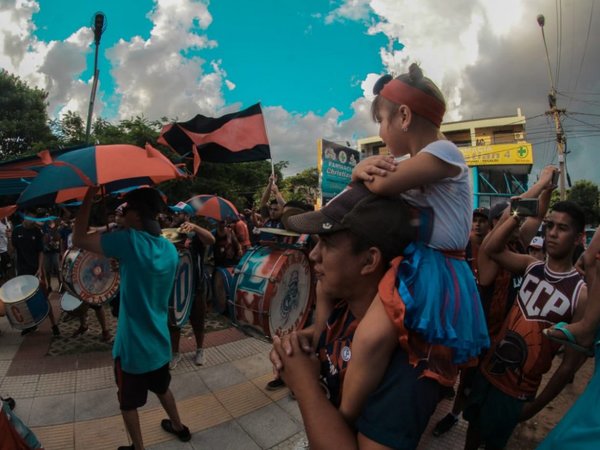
587	38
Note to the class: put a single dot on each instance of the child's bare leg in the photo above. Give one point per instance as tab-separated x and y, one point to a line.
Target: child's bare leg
374	341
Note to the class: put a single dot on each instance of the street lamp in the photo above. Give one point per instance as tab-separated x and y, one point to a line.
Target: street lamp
98	26
555	113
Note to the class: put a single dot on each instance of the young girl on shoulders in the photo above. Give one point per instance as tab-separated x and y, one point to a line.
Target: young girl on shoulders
439	298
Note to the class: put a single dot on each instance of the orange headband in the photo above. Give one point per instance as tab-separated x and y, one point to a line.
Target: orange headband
421	103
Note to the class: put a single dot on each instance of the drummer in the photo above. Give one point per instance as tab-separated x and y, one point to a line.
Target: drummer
27	242
198	239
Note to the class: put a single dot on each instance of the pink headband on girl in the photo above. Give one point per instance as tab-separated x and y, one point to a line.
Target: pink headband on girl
418	101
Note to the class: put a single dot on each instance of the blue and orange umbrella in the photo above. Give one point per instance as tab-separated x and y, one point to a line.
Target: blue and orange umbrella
214	207
114	167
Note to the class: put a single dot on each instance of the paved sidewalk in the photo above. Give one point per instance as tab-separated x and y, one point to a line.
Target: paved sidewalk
70	400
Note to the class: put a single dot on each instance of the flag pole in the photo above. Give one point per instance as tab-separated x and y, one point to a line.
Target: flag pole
269	141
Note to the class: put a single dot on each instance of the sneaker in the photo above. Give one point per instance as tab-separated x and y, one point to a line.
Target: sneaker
56	331
444	425
199	359
26	331
184	434
175	360
275	384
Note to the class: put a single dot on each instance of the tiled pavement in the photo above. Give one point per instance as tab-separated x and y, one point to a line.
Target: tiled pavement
70	401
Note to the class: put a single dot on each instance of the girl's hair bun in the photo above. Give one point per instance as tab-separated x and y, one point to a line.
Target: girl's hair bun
415	73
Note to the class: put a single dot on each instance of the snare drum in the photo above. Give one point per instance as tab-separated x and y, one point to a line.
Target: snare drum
89	276
25	302
72	305
183	290
222	288
273	290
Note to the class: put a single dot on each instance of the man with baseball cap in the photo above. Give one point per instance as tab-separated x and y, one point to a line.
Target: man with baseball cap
355	259
536	248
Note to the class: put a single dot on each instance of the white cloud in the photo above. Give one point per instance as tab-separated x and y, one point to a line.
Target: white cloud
154	77
293	137
349	9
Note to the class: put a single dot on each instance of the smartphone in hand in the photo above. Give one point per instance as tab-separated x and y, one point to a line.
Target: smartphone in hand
525	207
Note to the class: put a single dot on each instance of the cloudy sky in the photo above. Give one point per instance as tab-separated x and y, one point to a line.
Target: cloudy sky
312	63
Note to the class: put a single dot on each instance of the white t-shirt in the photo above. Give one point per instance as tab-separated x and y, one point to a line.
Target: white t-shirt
3	237
450	199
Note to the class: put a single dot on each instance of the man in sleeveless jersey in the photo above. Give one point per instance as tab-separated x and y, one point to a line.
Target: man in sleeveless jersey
505	391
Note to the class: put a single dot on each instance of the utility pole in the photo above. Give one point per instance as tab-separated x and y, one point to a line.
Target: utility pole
555	113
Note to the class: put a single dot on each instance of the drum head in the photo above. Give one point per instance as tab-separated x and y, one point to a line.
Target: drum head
19	288
92	278
183	290
69	303
222	281
290	304
273	289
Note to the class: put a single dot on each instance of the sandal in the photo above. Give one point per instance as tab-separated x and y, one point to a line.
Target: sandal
569	340
79	331
184	434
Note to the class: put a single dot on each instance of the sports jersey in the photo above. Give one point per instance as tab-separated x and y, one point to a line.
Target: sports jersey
334	350
516	362
498	297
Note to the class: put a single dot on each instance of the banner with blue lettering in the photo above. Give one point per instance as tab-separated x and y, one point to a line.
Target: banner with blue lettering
335	163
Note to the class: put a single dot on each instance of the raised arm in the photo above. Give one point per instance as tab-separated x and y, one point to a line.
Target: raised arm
542	190
266	194
496	247
81	238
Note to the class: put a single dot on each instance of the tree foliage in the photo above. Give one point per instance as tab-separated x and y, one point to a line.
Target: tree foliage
585	194
23	118
303	186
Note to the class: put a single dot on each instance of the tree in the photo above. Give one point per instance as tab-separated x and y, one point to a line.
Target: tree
585	194
23	118
303	186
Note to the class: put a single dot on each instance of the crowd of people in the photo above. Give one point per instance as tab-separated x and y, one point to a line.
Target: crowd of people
419	296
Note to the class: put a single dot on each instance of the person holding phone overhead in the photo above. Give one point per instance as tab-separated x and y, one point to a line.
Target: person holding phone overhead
505	389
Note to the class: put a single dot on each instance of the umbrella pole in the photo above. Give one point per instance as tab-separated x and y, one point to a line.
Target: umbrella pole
104	208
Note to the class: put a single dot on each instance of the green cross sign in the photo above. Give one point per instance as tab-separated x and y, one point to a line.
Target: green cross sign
522	152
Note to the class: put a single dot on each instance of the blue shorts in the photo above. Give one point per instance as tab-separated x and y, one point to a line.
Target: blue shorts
397	412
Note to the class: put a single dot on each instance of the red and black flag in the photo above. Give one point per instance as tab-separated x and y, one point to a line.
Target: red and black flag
236	137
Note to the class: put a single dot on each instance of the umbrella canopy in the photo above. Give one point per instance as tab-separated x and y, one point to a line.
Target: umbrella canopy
214	207
113	166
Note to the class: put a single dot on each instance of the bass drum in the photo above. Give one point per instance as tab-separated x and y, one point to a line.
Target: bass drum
273	290
183	290
25	302
91	277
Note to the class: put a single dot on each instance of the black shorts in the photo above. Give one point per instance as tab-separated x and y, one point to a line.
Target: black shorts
492	412
133	388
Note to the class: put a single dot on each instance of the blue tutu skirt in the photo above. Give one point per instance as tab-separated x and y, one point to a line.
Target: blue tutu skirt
442	302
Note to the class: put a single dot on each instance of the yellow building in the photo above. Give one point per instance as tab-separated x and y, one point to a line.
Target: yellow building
495	149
